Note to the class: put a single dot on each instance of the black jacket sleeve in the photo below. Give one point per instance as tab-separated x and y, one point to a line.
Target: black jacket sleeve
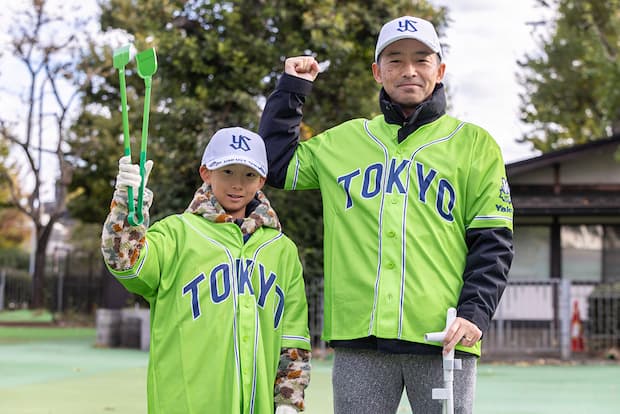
490	253
279	125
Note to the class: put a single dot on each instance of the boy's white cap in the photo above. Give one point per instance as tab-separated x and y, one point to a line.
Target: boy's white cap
236	146
407	27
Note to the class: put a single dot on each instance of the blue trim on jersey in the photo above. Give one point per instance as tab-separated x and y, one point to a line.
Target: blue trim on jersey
259	248
380	227
403	254
297	338
235	288
256	322
256	254
139	268
404	225
296	175
233	277
256	332
492	218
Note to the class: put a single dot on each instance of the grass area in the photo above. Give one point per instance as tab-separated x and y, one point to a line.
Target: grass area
548	389
26	316
21	334
59	370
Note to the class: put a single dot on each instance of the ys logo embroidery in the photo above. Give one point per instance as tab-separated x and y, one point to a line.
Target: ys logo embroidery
240	143
406	25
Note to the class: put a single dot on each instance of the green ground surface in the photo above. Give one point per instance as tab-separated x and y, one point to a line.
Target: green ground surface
48	371
26	316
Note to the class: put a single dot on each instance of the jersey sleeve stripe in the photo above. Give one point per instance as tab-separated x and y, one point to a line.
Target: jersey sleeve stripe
490	221
297	338
493	218
138	269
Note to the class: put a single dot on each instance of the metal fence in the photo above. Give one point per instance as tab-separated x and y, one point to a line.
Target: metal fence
73	283
533	318
553	318
314	295
602	330
556	317
15	289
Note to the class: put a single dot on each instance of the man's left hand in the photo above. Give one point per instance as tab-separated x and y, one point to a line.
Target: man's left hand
463	331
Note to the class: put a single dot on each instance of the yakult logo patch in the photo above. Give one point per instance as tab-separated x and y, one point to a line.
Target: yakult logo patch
504	196
504	192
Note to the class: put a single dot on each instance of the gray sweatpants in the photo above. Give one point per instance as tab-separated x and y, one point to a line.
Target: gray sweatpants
372	382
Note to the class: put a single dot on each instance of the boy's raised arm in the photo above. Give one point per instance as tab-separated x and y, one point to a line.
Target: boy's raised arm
120	242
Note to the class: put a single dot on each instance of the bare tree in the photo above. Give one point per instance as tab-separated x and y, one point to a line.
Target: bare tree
44	39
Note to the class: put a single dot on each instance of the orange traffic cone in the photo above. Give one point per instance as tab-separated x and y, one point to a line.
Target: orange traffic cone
576	330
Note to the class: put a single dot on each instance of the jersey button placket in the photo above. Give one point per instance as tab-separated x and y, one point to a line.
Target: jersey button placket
246	323
387	311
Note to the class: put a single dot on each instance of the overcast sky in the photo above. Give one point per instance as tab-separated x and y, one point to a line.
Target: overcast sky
485	39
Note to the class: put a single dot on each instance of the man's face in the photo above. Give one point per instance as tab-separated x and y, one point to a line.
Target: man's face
408	71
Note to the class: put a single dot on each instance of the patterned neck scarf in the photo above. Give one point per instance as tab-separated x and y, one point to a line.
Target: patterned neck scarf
205	205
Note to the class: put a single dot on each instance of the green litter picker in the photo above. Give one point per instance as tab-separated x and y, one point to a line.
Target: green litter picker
146	62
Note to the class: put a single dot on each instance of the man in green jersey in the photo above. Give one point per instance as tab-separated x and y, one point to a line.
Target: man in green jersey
417	217
229	331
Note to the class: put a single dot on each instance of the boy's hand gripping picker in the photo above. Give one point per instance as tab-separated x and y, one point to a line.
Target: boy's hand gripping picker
449	365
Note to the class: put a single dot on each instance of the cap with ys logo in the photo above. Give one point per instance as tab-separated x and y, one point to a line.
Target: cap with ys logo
236	145
407	27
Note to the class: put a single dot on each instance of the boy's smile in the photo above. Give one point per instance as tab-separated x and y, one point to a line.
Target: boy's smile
234	186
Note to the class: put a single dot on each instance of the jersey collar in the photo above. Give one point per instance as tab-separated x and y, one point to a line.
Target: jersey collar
258	213
426	112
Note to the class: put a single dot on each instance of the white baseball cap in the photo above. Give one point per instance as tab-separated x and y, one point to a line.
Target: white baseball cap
407	27
236	146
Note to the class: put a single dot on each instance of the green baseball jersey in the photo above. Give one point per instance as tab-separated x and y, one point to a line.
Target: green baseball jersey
397	214
221	310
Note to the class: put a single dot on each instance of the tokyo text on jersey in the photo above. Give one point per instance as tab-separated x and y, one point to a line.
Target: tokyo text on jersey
203	281
409	205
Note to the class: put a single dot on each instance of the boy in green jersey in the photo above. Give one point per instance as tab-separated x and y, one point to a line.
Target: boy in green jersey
229	331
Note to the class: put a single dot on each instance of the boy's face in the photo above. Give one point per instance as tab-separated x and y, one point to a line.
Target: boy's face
234	186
